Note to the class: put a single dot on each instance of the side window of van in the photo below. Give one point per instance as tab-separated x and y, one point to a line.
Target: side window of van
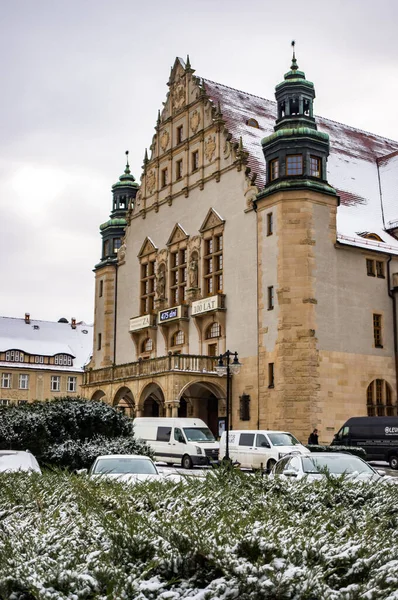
246	439
346	431
163	434
178	436
261	441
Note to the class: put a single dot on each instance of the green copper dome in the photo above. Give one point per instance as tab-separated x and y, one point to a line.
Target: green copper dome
114	223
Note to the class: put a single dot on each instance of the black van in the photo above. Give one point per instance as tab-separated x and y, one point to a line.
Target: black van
378	436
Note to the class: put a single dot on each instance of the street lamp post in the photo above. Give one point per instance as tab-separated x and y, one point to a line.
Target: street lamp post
225	367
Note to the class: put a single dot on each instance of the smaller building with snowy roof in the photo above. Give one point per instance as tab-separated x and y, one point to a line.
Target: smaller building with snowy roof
41	360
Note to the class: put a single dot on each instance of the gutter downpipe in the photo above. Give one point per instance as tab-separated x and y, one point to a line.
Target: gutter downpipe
258	323
394	320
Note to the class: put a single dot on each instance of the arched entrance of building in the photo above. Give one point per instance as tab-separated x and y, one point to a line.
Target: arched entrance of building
203	400
99	395
152	401
124	401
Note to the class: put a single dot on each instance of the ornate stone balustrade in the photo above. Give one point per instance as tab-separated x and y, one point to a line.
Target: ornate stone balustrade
191	363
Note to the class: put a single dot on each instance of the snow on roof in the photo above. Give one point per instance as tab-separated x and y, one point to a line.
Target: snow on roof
47	338
357	160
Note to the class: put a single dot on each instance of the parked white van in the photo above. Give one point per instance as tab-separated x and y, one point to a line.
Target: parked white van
260	449
186	441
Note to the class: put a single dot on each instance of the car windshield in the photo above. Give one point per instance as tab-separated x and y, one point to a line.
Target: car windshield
124	465
199	434
283	439
336	465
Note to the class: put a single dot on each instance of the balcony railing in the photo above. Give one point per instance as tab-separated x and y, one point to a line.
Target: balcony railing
186	363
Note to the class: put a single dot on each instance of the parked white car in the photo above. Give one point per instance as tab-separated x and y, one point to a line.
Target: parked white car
315	466
254	449
130	468
18	460
178	440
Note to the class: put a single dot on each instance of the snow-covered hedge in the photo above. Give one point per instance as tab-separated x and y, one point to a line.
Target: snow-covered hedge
68	432
356	450
229	536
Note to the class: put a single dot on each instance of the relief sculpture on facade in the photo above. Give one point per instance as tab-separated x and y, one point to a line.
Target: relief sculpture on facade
210	147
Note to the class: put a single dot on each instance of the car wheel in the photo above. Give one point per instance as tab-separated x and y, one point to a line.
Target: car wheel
270	464
186	462
394	462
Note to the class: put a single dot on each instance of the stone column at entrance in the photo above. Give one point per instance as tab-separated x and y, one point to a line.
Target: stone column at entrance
174	409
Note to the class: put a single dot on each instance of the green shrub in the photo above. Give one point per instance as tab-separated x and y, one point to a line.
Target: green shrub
350	449
68	432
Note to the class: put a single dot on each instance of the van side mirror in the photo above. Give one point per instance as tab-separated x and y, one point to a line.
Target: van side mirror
265	445
181	440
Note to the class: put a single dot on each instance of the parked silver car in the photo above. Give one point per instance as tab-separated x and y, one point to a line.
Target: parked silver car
130	468
18	460
315	466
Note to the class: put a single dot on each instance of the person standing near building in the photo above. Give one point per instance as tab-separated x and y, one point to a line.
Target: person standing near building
313	439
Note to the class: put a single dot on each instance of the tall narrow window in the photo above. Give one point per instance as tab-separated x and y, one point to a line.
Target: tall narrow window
213	265
72	384
55	383
99	341
294	164
179	131
370	267
178	275
164	178
273	169
195	160
271	375
179	169
6	380
147	286
315	166
270	297
244	408
23	382
270	224
101	287
178	338
380	268
377	331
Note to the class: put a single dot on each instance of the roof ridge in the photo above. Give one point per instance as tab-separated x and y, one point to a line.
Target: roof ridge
316	116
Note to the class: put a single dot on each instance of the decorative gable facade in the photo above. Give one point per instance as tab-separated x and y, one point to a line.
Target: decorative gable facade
256	247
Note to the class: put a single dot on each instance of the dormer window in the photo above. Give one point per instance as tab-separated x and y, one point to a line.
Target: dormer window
253	123
63	360
294	164
315	166
14	356
273	169
117	242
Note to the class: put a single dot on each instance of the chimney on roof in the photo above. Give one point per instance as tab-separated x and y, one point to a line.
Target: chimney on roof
27	318
73	323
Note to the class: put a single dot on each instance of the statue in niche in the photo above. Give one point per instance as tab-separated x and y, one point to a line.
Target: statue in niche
193	272
161	284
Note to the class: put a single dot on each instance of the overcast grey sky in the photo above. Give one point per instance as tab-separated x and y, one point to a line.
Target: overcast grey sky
82	81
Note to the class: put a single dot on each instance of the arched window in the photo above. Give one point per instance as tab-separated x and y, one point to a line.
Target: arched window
379	399
253	123
178	338
213	331
147	345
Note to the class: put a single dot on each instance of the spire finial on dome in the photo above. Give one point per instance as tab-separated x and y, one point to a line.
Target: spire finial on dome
127	169
294	65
